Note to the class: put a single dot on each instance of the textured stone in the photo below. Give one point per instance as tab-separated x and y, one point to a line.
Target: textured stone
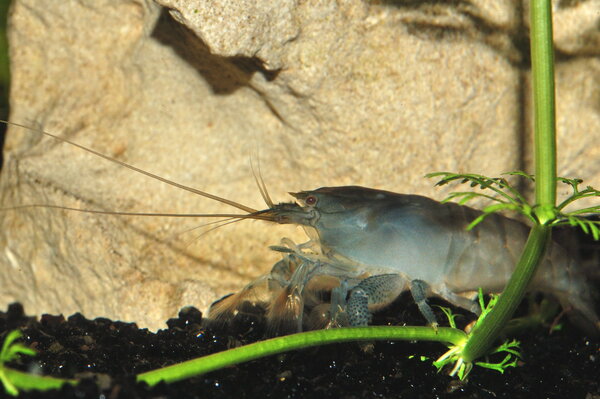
323	93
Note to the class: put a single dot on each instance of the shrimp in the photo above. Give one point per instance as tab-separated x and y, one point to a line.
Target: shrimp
378	244
367	246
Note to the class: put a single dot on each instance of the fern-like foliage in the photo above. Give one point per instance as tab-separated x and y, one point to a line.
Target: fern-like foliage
580	217
11	350
506	197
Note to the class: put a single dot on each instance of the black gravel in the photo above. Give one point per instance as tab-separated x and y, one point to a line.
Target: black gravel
107	354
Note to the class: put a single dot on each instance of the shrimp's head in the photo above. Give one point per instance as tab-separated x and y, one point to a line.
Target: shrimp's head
331	200
307	210
332	203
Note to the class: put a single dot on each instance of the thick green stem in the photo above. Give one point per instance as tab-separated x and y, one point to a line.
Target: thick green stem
482	338
545	164
542	64
297	341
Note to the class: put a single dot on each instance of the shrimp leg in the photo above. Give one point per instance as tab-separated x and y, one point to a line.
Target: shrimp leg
419	290
373	293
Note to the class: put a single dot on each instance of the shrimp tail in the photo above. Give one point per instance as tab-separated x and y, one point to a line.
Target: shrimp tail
569	281
579	310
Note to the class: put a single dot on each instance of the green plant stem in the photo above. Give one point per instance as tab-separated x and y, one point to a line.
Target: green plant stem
542	65
482	338
298	341
26	382
545	164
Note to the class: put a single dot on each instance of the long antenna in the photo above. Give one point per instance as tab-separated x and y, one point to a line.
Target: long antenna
259	215
138	170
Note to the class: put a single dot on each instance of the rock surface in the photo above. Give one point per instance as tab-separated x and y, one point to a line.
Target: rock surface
323	93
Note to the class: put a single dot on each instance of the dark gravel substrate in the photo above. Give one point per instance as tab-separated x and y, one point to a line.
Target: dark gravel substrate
107	354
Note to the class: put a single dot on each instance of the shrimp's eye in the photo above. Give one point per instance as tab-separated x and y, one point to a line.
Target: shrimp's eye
310	200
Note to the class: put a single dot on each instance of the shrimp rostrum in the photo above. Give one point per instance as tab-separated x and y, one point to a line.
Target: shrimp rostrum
367	246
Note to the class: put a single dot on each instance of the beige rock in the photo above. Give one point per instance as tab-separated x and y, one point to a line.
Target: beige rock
324	93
